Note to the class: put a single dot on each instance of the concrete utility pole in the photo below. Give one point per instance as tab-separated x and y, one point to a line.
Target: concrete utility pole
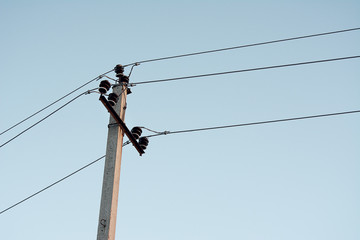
110	189
117	129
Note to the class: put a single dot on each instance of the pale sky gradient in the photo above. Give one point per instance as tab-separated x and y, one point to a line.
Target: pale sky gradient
292	180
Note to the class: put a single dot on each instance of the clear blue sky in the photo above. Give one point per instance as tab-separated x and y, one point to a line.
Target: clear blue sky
292	180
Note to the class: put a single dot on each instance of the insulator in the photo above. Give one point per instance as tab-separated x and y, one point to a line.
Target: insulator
128	91
136	132
143	142
119	68
113	99
119	75
124	79
104	86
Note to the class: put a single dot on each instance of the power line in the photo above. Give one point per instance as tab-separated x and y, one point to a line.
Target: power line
84	93
27	129
51	185
255	123
179	56
186	131
244	46
76	89
245	70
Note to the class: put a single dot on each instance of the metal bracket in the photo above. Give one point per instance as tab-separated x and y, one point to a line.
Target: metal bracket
121	124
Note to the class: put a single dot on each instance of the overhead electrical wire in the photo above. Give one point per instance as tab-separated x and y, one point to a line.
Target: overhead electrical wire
188	77
244	70
254	123
243	46
46	107
33	125
180	56
58	181
51	185
179	78
27	129
188	131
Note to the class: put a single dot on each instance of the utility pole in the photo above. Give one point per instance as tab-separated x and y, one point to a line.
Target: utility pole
117	129
111	180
